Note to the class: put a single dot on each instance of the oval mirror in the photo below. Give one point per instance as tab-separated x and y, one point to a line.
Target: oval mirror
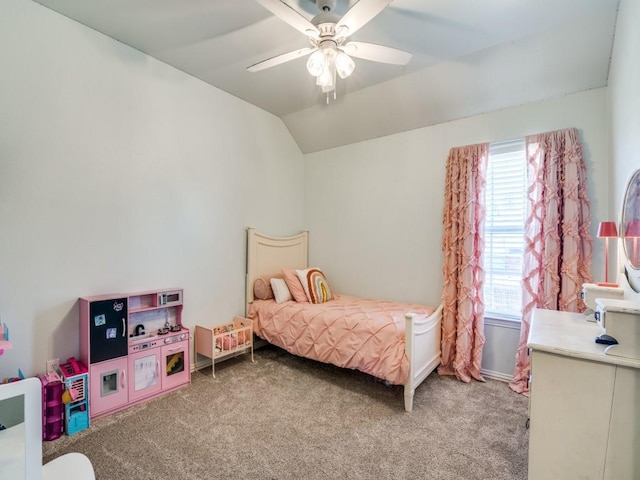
630	224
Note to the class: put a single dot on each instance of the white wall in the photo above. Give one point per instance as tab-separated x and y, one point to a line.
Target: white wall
374	209
624	98
119	173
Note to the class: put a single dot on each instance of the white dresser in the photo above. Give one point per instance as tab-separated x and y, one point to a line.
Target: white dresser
584	405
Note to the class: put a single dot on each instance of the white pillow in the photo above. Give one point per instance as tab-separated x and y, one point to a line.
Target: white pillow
280	290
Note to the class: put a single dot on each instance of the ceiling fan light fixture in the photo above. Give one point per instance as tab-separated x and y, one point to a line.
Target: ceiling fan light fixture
327	79
329	54
344	64
315	64
327	32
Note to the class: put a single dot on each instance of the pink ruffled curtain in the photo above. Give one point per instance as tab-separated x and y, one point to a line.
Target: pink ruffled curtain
558	244
463	245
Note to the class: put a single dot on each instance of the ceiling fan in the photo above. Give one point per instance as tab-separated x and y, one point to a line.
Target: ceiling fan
328	34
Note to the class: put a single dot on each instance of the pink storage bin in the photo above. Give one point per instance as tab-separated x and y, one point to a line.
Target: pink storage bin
52	406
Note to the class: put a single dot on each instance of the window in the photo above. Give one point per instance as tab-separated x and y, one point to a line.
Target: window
504	229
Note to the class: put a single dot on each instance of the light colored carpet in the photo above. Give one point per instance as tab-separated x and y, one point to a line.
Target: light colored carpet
286	417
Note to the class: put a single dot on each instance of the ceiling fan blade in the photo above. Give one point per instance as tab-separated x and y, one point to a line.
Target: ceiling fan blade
278	59
291	16
376	53
359	15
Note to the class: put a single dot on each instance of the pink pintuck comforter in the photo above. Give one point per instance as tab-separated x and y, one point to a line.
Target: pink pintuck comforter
350	332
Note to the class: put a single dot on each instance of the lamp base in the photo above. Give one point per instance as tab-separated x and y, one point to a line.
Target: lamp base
607	284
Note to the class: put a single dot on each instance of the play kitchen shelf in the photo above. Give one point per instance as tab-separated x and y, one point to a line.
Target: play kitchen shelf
224	340
135	347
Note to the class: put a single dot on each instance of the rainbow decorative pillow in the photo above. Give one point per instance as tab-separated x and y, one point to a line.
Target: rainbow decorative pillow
315	285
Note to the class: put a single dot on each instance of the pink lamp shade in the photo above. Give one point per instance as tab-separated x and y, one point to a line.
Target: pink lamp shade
607	230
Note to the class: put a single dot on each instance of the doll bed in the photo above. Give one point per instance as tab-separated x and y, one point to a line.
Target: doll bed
397	342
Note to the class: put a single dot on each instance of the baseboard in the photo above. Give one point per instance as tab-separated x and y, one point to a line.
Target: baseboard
259	342
503	377
199	366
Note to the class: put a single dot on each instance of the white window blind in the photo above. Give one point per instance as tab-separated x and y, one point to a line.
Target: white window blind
504	229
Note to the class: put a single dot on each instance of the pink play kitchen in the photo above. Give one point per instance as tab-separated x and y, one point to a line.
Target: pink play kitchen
135	347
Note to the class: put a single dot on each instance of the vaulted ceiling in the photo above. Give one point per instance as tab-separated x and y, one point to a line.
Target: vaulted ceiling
468	57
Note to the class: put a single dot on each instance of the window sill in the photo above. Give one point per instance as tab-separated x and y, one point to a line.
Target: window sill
494	320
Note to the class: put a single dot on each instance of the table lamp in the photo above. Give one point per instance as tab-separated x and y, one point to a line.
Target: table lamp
607	230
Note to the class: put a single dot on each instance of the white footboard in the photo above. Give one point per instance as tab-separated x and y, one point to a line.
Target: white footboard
422	345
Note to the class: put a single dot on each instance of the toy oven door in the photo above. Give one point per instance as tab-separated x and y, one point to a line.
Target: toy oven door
175	367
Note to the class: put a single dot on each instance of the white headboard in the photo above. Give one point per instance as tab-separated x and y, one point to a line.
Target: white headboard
267	255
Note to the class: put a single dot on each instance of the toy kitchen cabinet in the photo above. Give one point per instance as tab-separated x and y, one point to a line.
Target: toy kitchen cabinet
134	346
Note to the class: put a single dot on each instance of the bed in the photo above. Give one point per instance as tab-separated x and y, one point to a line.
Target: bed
398	343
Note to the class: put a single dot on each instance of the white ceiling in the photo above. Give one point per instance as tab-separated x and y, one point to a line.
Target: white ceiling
469	57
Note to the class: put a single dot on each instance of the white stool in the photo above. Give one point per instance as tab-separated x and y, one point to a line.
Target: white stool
72	466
